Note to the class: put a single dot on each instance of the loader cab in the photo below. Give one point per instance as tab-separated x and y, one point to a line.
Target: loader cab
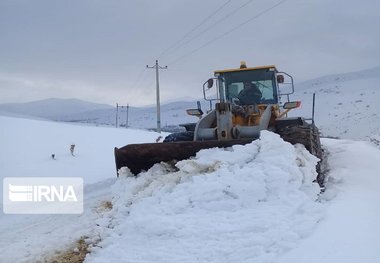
232	84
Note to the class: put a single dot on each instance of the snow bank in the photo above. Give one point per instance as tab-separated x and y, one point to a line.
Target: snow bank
241	204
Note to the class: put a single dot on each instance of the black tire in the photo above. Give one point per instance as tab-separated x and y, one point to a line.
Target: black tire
308	135
180	137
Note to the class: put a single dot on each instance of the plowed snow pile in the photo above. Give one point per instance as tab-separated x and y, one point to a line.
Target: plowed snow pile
243	204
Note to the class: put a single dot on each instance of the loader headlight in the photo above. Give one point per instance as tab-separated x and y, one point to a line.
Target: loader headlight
194	112
292	105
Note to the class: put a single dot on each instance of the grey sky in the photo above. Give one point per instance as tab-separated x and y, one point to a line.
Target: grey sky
97	50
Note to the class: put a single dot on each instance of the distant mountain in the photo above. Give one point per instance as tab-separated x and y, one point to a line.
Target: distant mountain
78	111
50	108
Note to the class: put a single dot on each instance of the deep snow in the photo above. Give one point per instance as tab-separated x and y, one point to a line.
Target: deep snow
350	231
26	148
248	203
253	203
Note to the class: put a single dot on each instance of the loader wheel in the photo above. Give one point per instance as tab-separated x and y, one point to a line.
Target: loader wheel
180	136
308	135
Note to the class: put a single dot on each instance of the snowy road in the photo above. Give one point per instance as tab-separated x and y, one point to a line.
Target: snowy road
29	238
351	230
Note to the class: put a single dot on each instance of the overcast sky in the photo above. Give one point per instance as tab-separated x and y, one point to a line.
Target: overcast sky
97	50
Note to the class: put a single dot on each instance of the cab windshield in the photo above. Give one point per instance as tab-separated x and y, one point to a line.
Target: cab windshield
260	84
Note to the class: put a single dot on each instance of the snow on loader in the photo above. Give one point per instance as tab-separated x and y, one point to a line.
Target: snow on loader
246	101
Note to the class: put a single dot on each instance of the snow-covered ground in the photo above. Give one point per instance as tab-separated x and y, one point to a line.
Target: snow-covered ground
347	105
26	149
350	231
246	203
253	203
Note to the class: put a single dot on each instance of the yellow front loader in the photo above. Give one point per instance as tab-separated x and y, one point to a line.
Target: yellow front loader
243	102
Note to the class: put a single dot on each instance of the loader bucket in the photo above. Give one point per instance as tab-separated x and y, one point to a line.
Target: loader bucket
141	157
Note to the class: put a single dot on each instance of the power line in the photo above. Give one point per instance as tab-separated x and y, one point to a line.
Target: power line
195	28
228	32
139	78
213	25
143	80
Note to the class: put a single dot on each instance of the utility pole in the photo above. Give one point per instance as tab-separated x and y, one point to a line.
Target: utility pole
126	122
121	112
157	67
117	113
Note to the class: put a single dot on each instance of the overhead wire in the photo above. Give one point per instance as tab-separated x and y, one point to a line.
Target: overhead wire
213	25
195	28
228	32
183	39
138	79
179	41
142	79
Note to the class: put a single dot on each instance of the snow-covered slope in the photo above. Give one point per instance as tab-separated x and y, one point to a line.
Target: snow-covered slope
347	105
27	146
50	108
253	203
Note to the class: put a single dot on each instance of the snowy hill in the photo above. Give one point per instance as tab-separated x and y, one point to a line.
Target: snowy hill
50	108
252	203
347	105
